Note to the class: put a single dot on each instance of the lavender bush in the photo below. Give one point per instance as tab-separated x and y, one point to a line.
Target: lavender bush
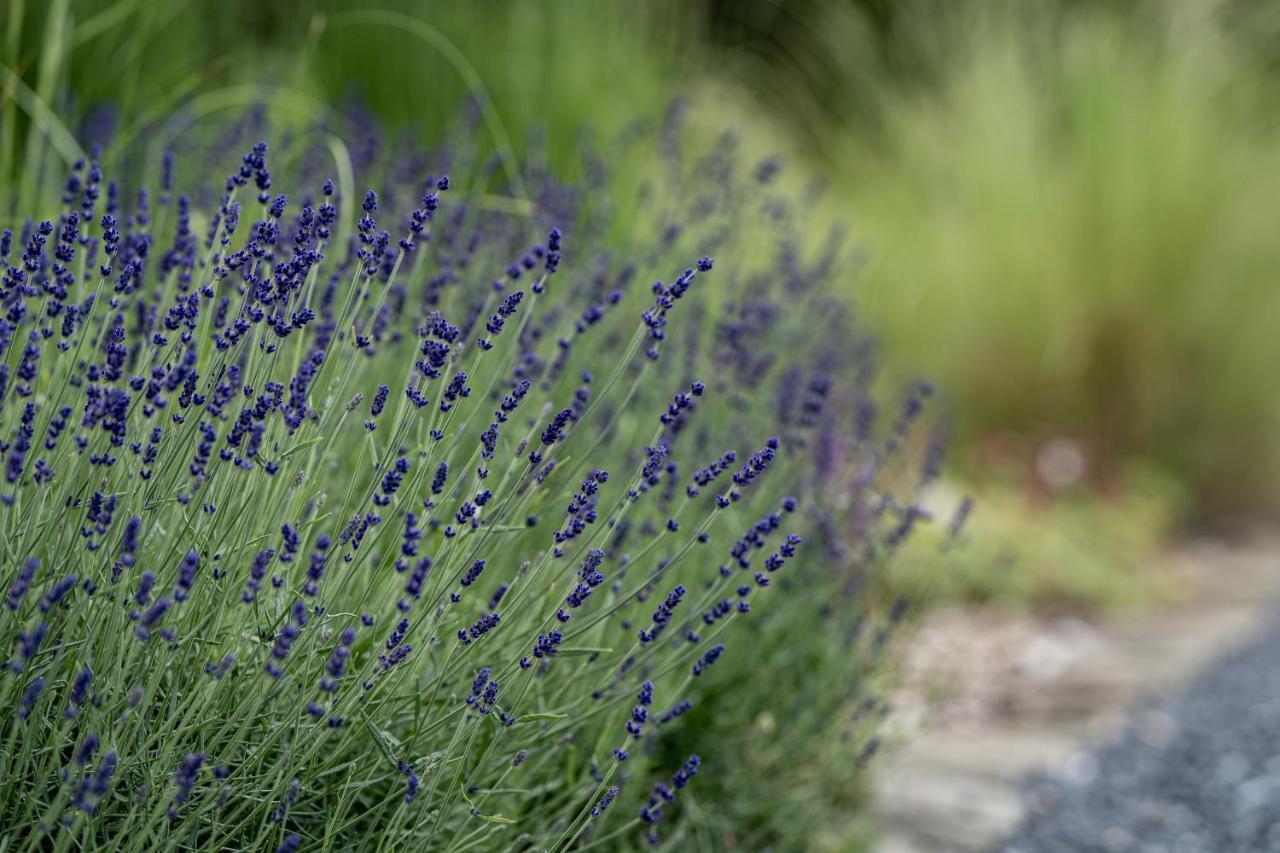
474	510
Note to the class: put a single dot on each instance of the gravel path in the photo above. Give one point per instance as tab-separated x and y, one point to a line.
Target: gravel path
1198	771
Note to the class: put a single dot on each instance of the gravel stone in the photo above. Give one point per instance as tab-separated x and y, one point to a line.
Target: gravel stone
1195	772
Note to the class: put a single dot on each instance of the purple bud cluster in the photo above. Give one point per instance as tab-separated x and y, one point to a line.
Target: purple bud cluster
708	658
18	589
665	298
640	713
284	640
581	510
675	711
681	403
484	691
486	623
544	647
605	801
663	794
397	648
184	780
662	616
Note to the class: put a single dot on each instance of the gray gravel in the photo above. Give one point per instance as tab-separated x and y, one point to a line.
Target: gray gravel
1198	772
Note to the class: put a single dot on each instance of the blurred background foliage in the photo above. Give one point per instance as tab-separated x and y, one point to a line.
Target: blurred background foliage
1069	209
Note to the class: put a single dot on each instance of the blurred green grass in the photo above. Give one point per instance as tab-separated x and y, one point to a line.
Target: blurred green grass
1076	233
555	68
1069	209
1075	552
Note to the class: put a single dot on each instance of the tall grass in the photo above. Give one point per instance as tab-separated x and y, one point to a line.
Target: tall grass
555	69
1076	211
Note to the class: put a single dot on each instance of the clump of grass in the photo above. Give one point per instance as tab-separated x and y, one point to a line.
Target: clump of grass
1078	551
419	516
1077	211
555	67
